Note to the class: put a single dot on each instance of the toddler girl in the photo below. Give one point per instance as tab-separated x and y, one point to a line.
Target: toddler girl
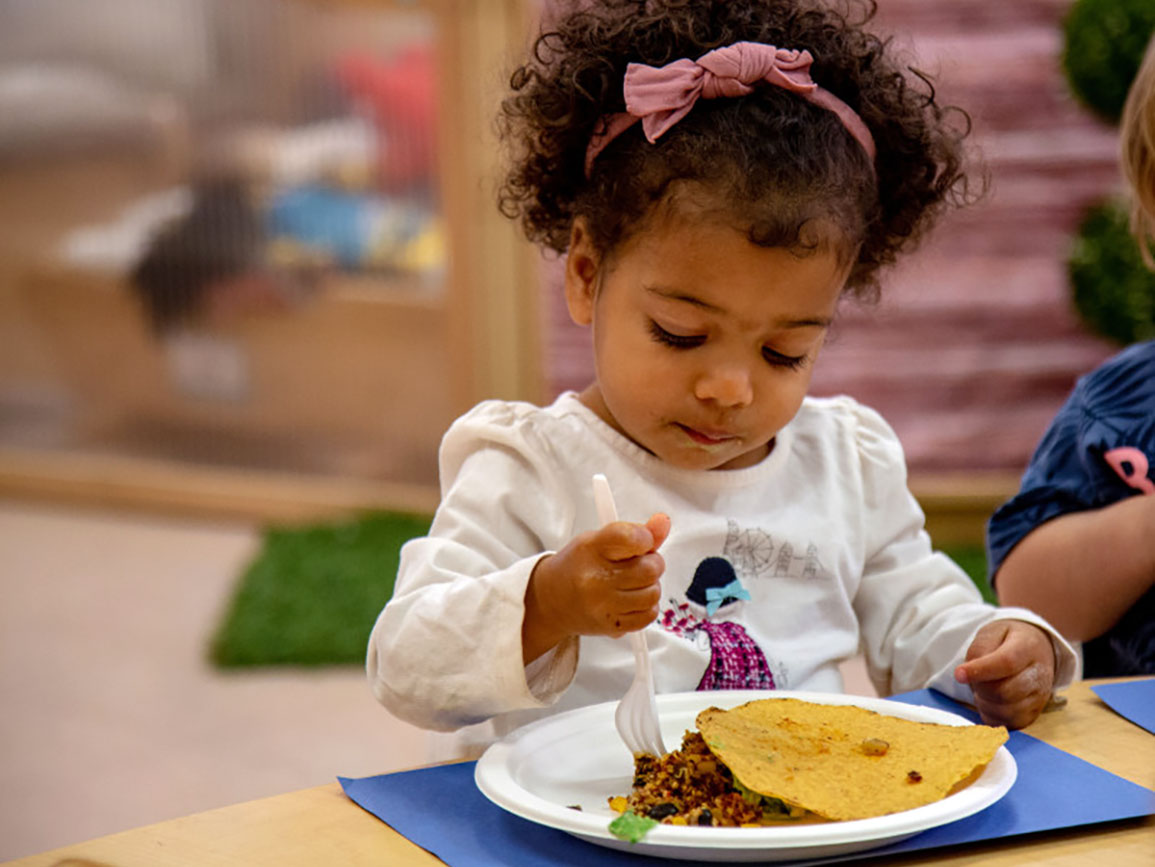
720	174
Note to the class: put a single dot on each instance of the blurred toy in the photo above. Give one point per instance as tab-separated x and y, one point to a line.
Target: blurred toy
210	266
358	231
400	96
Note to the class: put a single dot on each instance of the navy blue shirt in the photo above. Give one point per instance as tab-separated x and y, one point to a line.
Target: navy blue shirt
1099	449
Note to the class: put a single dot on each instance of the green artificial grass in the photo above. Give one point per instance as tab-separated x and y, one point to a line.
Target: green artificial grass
973	559
311	595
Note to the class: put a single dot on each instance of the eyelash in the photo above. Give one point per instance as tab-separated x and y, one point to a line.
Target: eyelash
790	362
679	341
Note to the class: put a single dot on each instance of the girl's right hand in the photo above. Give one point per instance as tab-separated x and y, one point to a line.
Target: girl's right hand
605	582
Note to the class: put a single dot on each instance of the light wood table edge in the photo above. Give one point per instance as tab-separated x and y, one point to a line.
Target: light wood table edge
323	825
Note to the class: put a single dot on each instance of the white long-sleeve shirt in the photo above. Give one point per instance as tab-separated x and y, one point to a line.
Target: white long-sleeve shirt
822	536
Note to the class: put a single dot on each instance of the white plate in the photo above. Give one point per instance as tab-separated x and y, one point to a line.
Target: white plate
577	758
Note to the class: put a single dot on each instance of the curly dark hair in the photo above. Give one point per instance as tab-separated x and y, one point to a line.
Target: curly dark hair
770	159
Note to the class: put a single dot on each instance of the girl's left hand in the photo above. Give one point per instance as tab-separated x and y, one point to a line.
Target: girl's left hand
1011	670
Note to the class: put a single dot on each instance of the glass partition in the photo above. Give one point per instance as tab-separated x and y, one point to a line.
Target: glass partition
226	263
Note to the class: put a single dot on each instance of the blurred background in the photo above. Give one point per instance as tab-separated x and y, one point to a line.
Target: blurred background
251	268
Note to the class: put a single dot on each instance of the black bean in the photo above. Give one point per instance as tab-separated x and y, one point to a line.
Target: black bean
661	811
705	817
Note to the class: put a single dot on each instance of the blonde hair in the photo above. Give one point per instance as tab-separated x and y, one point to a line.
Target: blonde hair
1138	147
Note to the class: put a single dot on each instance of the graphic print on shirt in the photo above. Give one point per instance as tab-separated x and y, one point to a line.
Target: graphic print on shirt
736	660
753	555
1131	466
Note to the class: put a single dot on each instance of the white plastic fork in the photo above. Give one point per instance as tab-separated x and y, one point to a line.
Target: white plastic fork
637	713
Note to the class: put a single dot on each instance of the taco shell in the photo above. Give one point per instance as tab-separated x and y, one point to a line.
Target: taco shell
842	761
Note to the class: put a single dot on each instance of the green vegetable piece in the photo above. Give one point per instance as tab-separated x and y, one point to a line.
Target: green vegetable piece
768	803
774	806
631	827
748	795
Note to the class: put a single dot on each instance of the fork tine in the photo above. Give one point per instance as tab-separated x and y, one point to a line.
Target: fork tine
643	702
624	722
636	716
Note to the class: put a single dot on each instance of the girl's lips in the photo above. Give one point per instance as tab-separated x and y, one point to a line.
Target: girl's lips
707	438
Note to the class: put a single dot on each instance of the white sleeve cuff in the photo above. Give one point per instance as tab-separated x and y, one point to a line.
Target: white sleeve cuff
550	674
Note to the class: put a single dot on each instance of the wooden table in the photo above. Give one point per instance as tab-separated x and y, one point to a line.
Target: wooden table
321	826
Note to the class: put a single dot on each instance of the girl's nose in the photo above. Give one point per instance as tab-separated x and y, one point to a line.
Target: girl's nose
727	386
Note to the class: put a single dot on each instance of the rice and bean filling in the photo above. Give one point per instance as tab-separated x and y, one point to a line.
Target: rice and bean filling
689	786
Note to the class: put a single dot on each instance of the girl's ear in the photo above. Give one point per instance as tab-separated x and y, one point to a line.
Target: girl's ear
581	274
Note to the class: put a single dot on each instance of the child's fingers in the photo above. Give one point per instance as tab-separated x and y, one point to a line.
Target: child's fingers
988	639
659	527
637	574
643	601
632	609
622	540
631	622
1015	701
1002	650
1030	681
992	666
639	600
1012	714
1011	679
986	658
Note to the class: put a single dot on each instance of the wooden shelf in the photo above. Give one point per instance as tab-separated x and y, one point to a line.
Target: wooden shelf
134	483
958	505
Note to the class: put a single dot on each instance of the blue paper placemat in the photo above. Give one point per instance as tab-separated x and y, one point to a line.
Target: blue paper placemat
441	809
1134	700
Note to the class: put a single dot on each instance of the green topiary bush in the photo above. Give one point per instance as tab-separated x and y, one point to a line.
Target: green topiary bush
1113	291
1104	44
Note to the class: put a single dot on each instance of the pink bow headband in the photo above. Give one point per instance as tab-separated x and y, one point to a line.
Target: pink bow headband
660	96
